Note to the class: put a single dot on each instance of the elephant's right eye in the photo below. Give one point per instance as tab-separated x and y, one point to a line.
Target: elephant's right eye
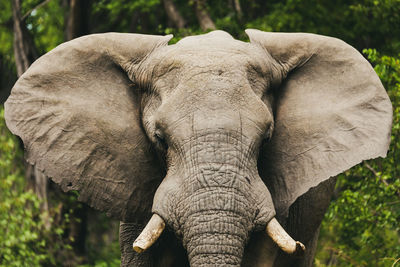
160	140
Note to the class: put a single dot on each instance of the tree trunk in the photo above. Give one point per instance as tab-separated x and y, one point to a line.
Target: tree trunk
24	49
238	9
77	20
134	21
7	77
205	21
174	14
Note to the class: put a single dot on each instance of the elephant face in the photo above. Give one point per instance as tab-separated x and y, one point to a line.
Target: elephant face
212	135
206	113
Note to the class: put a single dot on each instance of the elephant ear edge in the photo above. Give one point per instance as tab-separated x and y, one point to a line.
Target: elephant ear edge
78	116
332	112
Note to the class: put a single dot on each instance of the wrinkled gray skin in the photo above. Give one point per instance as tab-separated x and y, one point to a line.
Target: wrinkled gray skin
213	133
218	134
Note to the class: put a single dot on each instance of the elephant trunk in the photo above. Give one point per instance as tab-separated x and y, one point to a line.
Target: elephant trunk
216	228
212	197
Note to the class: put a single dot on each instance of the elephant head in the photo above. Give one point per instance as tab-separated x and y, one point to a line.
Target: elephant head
213	136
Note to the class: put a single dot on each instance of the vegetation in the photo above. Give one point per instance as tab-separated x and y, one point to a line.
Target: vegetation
361	227
26	239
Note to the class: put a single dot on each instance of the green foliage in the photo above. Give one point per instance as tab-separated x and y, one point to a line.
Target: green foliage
26	238
102	245
128	16
362	226
18	209
45	23
6	38
362	23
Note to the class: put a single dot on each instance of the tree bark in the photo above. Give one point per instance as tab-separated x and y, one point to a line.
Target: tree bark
77	20
7	77
173	14
36	7
238	9
24	49
205	21
134	21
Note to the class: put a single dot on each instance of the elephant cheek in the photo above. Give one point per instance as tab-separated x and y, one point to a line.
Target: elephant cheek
165	202
266	209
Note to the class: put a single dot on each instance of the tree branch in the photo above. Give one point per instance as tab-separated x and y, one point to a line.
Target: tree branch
342	255
36	7
396	261
369	167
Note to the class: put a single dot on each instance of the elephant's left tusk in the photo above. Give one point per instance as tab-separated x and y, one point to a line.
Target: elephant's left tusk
283	239
150	234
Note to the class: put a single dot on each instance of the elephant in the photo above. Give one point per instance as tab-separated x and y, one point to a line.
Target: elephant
211	151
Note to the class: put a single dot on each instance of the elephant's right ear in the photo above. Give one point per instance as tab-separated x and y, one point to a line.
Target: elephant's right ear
332	112
78	115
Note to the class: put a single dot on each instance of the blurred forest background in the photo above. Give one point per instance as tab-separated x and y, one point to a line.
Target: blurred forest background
41	226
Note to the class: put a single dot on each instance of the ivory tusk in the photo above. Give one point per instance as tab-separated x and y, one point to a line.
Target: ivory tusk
150	234
283	239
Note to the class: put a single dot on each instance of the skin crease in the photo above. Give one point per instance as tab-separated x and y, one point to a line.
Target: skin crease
209	113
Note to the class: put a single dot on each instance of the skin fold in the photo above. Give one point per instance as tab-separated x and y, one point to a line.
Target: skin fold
213	137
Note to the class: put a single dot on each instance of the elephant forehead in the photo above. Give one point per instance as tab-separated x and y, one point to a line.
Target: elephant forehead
179	63
198	50
214	36
202	57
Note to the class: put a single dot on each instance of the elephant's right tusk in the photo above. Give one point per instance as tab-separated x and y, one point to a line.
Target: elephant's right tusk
150	234
283	239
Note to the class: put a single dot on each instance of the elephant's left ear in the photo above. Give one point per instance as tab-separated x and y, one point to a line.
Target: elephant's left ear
332	112
79	116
